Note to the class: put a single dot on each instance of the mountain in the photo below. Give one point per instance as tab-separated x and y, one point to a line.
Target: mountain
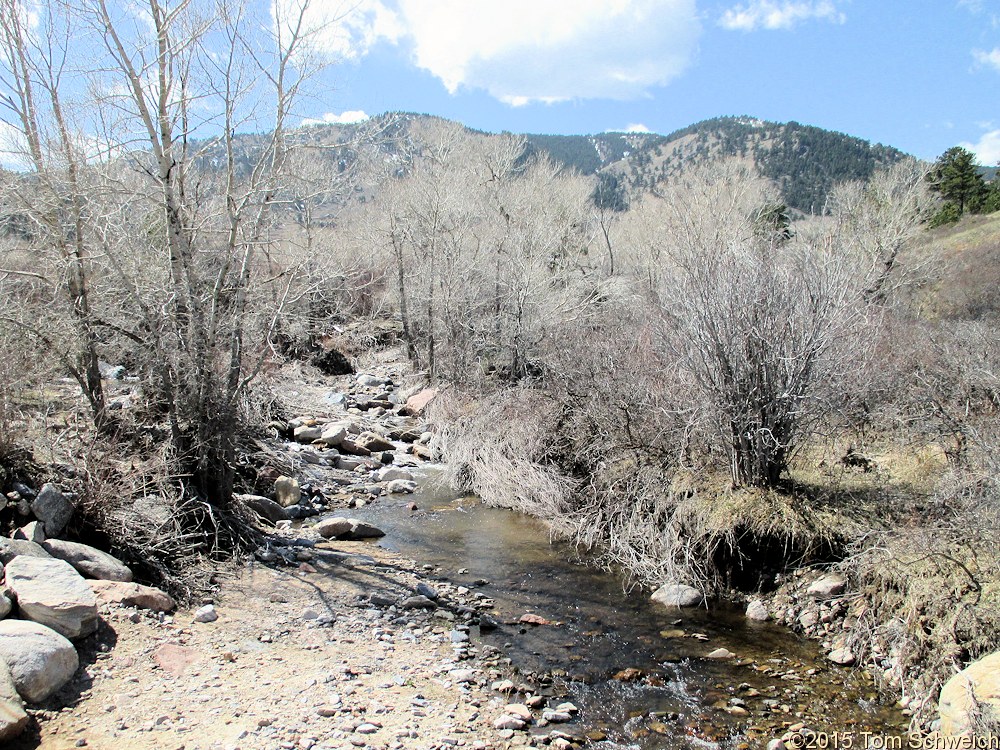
805	162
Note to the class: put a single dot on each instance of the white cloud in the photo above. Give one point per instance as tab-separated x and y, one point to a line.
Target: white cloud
349	117
990	59
779	14
342	29
987	150
524	51
636	127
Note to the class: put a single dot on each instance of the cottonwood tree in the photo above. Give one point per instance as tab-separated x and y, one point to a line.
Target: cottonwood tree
762	326
178	205
53	205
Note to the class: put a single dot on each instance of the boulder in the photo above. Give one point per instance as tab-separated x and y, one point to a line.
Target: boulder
13	717
11	548
369	381
333	434
827	586
6	605
842	656
307	433
31	532
52	508
971	696
130	594
334	528
400	486
354	448
417	403
265	508
374	442
90	562
678	595
287	492
757	610
392	473
350	529
52	593
41	661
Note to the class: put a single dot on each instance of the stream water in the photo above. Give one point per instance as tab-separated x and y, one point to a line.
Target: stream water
683	699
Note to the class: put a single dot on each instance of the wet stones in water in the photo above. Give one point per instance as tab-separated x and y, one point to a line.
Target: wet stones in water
677	595
629	674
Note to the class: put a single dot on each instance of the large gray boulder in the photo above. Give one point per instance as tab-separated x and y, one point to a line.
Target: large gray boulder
88	561
827	586
52	508
52	593
678	595
41	661
11	548
392	473
13	717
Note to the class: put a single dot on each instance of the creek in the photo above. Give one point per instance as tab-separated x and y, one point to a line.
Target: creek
682	698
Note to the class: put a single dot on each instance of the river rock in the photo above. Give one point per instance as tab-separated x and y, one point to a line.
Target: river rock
827	586
842	656
333	434
353	448
366	380
418	602
506	721
31	532
757	610
52	508
132	595
206	614
374	442
721	653
556	717
307	433
971	693
417	403
425	589
41	660
401	486
52	593
11	548
678	595
519	710
393	473
89	561
265	508
13	717
350	529
6	605
287	491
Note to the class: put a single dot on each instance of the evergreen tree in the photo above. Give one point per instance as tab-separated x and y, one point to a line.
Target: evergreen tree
957	178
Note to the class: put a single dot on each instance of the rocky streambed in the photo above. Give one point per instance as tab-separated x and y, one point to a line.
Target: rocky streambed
385	612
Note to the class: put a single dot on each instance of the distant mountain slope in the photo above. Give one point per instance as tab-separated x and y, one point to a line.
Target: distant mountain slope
805	162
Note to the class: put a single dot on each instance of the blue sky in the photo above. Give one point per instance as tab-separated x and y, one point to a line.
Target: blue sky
922	75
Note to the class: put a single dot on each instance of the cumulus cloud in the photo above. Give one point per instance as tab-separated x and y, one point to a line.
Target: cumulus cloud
990	59
524	51
987	150
779	14
350	117
635	127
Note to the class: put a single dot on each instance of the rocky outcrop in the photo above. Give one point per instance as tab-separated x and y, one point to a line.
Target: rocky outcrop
40	660
971	699
678	595
51	593
88	561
